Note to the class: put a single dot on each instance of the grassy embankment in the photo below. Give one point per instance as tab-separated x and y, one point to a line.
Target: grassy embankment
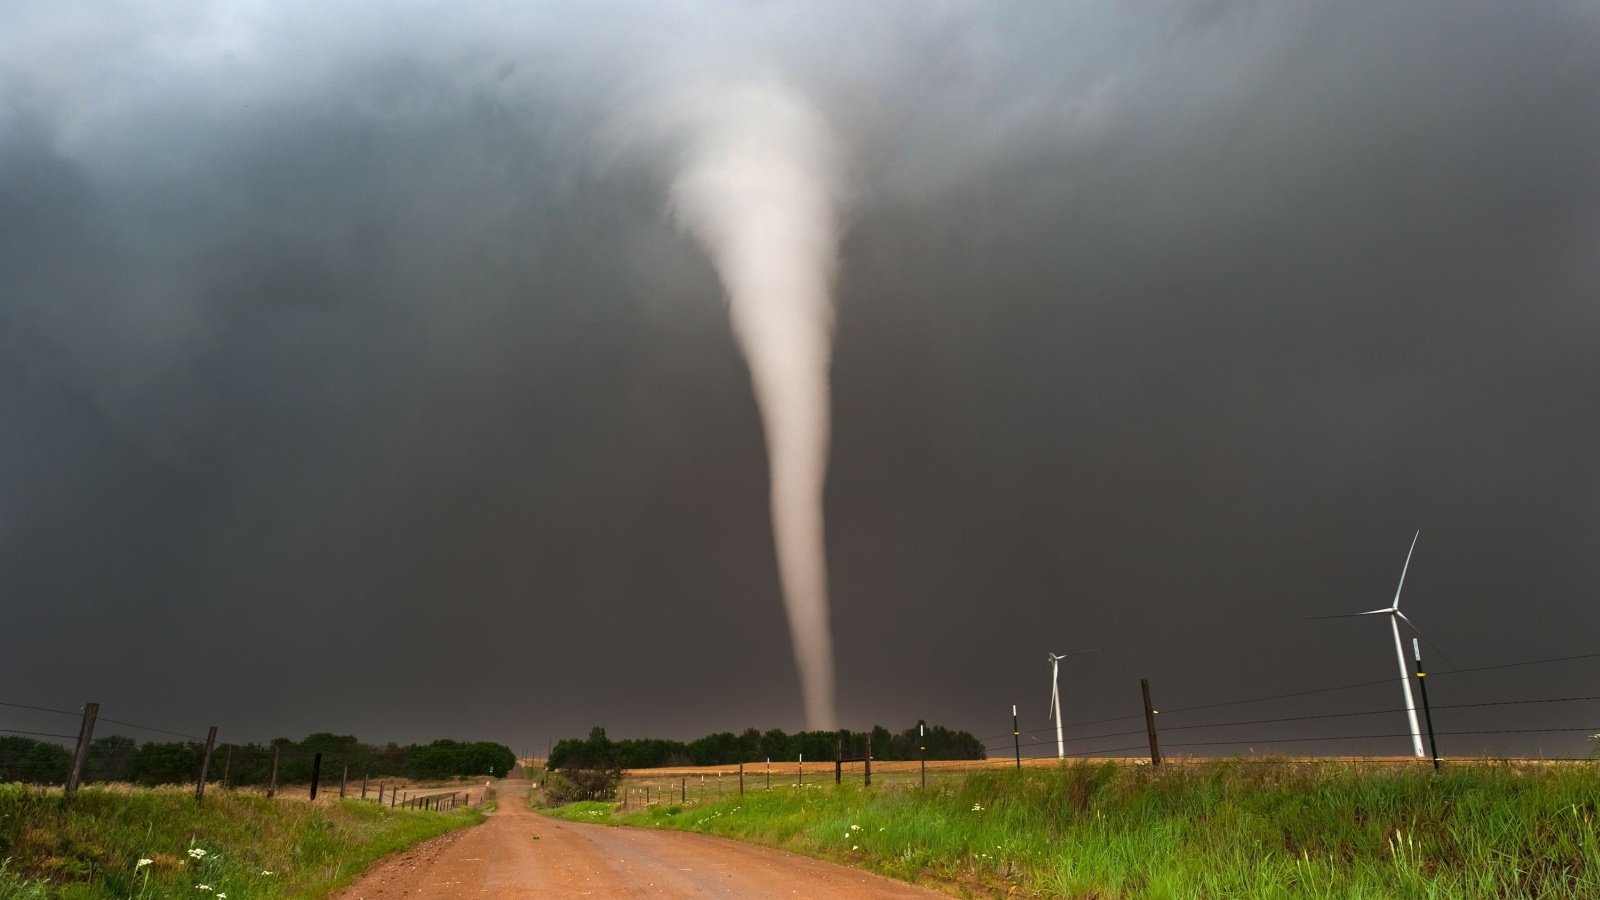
91	846
1259	829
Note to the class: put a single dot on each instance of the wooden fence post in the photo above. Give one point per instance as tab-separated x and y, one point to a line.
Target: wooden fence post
205	764
1150	722
866	780
741	779
316	773
227	763
91	711
363	785
272	784
343	775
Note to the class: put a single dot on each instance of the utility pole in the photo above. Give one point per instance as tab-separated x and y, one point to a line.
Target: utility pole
1150	722
1422	683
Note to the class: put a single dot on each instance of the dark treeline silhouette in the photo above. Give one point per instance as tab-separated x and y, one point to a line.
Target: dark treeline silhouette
754	746
120	758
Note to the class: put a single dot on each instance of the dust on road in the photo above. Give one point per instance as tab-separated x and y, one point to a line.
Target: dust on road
517	854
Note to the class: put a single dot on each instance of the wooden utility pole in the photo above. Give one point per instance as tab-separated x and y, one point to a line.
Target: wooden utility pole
1150	722
205	764
91	711
272	783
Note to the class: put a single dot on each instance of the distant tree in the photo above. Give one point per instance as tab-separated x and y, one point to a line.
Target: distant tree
775	744
114	757
588	770
175	762
31	761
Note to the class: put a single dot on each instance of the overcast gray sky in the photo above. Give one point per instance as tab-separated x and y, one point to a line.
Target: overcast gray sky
354	375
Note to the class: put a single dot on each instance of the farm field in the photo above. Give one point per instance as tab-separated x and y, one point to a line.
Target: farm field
1218	828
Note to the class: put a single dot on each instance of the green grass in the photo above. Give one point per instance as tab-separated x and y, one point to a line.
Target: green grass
90	846
1259	829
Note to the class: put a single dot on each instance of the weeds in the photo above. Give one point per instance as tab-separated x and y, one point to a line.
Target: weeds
1237	828
134	845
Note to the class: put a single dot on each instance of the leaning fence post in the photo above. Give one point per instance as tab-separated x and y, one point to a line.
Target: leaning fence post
343	774
205	763
363	785
227	763
85	735
272	784
1150	722
316	774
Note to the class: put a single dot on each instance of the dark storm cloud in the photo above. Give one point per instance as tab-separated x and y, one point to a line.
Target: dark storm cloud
355	379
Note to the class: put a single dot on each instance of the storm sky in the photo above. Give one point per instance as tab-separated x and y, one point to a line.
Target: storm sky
356	377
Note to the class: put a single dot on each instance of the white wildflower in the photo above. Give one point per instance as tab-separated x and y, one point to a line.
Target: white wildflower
977	807
196	853
857	847
266	871
143	863
221	896
202	887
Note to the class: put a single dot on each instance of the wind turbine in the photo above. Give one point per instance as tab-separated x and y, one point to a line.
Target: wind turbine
1055	695
1395	618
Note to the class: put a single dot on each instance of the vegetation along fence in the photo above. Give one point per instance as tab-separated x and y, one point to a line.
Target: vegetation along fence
326	762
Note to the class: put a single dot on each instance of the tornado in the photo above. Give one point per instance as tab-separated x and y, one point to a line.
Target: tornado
758	185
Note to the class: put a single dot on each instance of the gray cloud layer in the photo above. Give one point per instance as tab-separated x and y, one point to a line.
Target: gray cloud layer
329	334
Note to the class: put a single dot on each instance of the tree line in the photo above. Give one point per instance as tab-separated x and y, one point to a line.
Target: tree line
751	745
117	758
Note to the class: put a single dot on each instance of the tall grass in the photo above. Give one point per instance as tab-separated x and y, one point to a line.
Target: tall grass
1259	829
238	845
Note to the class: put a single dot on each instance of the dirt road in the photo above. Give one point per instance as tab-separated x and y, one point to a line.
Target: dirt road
517	854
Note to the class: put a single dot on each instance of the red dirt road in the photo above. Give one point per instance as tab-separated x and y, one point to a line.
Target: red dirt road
518	854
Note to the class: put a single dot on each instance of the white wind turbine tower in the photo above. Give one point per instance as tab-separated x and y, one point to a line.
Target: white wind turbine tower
1395	617
1055	695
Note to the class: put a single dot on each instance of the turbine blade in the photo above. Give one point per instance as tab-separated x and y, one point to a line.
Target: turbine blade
1370	612
1407	566
1418	632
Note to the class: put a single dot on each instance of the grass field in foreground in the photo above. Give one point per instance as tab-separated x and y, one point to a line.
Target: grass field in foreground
91	845
1237	828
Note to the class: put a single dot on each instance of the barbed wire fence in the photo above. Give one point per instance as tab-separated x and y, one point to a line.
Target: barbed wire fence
1194	731
120	758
